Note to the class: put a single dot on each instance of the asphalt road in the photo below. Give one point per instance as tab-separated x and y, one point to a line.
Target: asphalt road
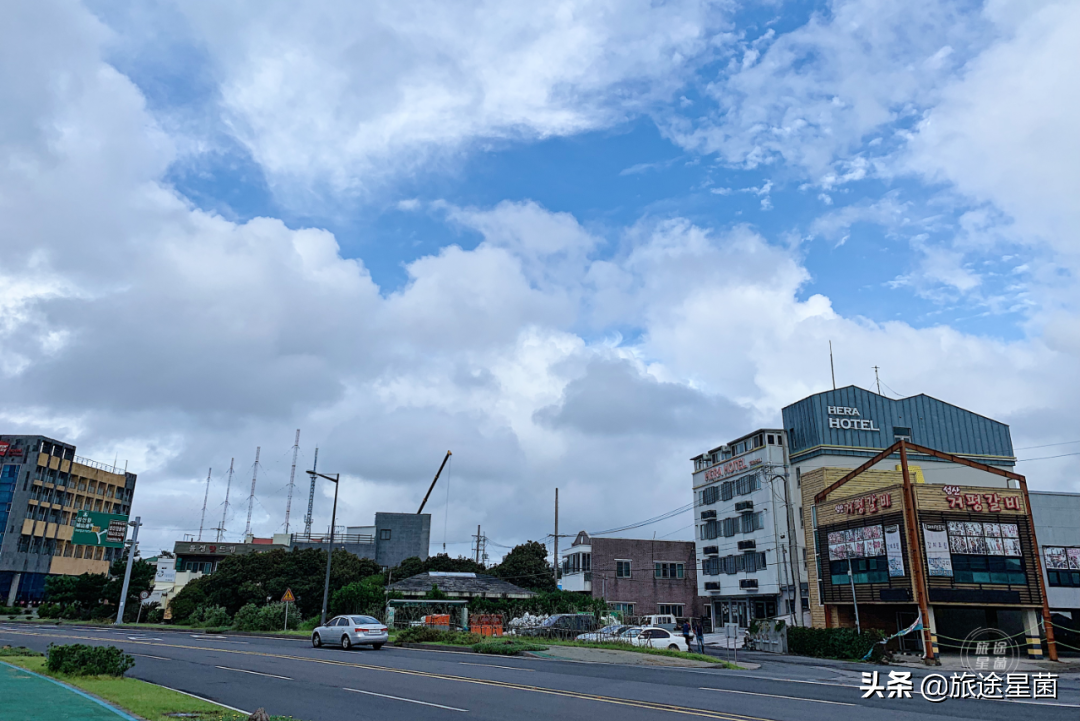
290	677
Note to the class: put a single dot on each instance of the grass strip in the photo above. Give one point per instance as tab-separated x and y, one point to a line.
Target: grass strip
139	698
616	646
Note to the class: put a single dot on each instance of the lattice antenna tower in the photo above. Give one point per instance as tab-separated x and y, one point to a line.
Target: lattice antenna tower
251	497
225	511
206	497
311	495
292	479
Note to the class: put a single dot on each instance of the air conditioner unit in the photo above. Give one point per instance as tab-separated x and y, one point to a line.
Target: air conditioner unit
747	545
712	586
711	550
744	505
748	584
708	514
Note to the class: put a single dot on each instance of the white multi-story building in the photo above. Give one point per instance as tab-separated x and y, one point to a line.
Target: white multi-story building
746	530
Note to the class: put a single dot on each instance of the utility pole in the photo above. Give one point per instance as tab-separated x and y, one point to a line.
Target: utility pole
556	538
251	497
127	572
225	512
478	543
292	477
832	367
311	496
330	544
877	380
206	497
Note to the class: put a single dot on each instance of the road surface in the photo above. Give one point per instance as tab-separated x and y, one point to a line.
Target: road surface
290	677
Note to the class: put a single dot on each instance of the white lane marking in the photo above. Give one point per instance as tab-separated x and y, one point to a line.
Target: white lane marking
773	695
407	700
208	637
1044	703
256	673
144	638
795	680
201	698
146	655
492	665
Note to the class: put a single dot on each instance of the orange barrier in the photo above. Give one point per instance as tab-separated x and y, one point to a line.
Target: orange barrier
490	624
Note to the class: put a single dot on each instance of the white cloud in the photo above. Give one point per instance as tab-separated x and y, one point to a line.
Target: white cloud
177	339
351	94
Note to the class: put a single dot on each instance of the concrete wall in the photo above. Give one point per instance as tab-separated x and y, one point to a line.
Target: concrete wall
1057	523
409	535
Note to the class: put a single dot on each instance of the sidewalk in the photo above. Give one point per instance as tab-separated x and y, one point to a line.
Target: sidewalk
30	697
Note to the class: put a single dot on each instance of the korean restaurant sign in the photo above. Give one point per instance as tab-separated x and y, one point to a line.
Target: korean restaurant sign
993	502
849	419
871	503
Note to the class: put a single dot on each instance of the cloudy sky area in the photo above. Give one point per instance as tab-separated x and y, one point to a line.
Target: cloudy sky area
577	243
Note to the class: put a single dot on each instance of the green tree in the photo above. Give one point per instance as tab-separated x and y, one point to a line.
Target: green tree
527	566
367	597
436	593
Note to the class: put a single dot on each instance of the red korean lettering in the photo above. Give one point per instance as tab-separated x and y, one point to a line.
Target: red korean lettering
974	501
993	502
956	502
871	504
885	500
1012	503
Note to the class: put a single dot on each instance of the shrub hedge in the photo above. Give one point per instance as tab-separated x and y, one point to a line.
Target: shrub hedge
507	647
82	660
844	643
424	634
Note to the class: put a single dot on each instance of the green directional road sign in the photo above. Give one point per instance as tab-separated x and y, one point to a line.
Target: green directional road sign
99	529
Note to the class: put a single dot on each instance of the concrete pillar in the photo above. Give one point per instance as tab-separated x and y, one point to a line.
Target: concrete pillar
931	623
14	590
1032	635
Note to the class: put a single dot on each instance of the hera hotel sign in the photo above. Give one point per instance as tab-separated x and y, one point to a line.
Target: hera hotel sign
846	422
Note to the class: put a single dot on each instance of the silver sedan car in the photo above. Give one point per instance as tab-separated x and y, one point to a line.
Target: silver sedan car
349	631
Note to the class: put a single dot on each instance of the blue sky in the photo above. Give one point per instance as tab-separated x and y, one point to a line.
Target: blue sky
403	229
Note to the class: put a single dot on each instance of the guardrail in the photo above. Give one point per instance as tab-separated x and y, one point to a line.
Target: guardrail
98	465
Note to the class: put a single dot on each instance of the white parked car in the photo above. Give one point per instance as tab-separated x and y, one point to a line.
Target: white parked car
349	631
659	638
607	633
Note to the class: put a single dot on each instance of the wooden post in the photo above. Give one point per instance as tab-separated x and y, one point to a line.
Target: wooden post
1051	644
911	521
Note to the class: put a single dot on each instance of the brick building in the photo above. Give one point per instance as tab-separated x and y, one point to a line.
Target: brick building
637	577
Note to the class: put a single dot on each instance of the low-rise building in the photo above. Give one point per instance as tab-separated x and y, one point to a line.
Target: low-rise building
47	495
637	577
1057	526
393	538
458	585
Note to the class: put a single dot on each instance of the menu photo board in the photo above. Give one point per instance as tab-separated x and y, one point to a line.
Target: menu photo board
984	539
99	529
1061	558
863	542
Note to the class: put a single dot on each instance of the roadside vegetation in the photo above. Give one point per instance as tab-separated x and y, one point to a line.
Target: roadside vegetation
139	698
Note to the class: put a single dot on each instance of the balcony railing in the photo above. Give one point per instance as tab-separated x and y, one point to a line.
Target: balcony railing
345	538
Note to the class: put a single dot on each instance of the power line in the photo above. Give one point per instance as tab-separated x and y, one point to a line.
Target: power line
1048	445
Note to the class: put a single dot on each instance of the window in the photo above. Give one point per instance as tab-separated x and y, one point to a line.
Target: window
1063	578
711	530
710	495
761	561
988	569
623	608
622	569
864	570
671	609
384	534
727	490
747	484
729	564
729	527
710	566
668	570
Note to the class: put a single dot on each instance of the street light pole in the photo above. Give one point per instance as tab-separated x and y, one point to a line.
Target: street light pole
127	572
330	546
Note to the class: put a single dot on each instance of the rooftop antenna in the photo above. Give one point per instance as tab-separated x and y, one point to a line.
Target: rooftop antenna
228	484
877	380
832	367
292	477
206	497
311	495
251	498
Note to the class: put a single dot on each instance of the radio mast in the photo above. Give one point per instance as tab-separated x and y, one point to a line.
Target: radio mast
251	498
292	478
311	495
206	496
225	512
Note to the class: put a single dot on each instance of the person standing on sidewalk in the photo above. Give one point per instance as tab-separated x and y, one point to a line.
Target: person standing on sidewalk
699	632
686	634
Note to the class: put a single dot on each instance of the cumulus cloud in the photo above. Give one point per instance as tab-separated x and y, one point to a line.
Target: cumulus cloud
348	95
140	327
